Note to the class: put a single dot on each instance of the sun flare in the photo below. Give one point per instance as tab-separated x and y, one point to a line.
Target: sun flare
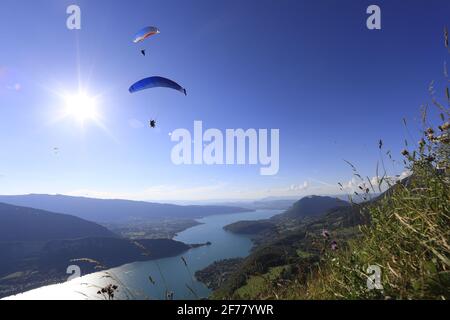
81	107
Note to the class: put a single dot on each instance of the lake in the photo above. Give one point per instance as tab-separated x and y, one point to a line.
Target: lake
168	274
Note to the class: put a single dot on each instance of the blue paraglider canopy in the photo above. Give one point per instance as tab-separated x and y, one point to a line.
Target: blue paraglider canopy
154	82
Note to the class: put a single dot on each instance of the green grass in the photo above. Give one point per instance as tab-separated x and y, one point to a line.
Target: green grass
407	239
407	233
257	284
303	254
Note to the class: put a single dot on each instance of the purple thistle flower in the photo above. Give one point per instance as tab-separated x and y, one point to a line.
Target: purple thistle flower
325	233
334	245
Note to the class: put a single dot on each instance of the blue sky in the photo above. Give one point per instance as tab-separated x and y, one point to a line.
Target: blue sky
309	68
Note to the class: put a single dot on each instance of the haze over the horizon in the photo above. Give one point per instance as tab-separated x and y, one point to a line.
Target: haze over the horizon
312	70
209	201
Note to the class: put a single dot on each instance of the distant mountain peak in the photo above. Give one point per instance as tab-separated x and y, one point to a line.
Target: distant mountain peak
313	206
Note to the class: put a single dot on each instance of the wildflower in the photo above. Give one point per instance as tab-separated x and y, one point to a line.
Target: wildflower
325	234
334	245
445	126
443	138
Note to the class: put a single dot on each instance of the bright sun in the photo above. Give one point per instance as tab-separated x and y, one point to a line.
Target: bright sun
81	107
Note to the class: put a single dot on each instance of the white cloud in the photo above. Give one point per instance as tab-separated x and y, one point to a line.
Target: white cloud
162	192
206	192
299	187
378	183
217	190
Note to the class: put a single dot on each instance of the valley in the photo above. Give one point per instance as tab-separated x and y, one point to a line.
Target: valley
171	273
286	246
166	229
37	246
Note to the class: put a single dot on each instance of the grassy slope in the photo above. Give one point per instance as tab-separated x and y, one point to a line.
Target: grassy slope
407	237
404	232
295	248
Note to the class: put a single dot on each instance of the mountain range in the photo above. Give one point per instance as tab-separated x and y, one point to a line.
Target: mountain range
37	246
290	242
29	224
114	210
309	207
